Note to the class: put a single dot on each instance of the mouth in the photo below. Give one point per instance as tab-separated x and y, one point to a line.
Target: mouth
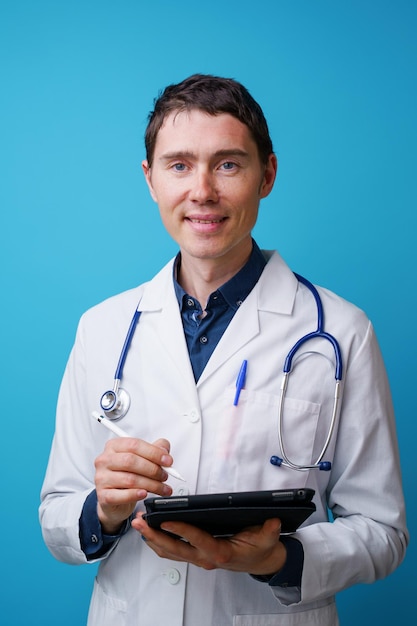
195	220
207	225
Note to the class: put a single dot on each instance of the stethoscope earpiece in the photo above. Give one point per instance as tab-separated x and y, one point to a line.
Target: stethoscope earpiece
115	404
324	466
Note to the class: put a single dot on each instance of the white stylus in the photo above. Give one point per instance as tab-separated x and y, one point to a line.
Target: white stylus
121	433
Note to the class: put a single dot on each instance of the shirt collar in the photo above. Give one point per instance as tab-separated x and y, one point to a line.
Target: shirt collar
235	290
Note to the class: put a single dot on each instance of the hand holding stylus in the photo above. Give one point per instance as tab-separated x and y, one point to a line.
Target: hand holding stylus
121	433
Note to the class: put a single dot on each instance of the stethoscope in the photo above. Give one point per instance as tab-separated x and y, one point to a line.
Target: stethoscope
318	333
116	402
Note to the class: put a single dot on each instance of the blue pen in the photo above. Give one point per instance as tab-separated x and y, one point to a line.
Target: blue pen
240	381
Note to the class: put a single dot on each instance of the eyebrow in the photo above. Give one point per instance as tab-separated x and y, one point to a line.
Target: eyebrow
178	154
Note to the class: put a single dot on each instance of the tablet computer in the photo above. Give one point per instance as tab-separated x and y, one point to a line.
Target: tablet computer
225	514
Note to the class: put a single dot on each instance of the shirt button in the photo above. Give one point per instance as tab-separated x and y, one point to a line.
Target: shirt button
94	539
173	576
203	339
190	302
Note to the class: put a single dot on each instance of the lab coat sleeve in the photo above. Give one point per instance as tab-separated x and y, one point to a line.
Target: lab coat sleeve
70	474
368	537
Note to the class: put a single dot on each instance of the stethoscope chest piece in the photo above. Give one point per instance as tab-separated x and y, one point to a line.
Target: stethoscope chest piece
115	404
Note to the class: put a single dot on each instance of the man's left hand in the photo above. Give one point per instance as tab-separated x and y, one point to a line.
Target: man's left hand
256	550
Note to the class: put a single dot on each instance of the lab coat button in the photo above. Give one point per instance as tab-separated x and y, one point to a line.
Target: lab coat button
181	491
173	576
193	415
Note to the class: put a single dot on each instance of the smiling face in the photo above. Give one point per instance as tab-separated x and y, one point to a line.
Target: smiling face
208	180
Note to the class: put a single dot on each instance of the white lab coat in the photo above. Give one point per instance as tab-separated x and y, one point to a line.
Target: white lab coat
219	447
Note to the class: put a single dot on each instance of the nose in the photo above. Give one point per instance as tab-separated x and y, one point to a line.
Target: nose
203	187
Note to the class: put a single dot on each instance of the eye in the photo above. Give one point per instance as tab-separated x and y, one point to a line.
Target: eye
228	166
179	167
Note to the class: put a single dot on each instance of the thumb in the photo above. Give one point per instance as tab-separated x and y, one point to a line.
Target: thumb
272	527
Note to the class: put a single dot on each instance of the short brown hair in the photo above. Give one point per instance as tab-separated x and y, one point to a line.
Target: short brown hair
214	95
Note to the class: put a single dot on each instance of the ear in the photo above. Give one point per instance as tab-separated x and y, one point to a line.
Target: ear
147	172
270	174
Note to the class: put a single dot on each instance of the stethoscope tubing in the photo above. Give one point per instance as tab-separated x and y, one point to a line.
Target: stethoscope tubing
116	402
119	369
318	333
318	463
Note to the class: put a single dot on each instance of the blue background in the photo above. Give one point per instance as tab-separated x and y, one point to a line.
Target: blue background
337	81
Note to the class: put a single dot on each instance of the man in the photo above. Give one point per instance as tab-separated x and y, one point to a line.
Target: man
222	301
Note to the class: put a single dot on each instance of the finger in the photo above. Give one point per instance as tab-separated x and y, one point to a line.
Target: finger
192	534
115	487
207	552
157	454
126	471
272	527
130	459
153	537
175	548
114	498
264	536
163	444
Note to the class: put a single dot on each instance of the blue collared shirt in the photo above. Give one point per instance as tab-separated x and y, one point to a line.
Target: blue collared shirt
204	333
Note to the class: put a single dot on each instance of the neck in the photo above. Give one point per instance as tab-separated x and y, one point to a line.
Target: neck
200	277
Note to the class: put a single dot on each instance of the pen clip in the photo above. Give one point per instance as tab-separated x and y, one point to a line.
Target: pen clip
240	381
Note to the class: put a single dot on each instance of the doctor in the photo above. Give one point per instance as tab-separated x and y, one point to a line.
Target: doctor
220	302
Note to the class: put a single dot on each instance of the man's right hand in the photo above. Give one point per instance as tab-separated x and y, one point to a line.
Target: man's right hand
126	471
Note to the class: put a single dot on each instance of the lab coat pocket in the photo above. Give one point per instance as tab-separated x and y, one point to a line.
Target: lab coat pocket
106	610
248	437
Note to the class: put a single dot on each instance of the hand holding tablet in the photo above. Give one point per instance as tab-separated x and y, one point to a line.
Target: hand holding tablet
225	514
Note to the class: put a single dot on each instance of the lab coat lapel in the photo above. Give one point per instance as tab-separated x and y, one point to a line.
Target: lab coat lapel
243	327
275	292
159	298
